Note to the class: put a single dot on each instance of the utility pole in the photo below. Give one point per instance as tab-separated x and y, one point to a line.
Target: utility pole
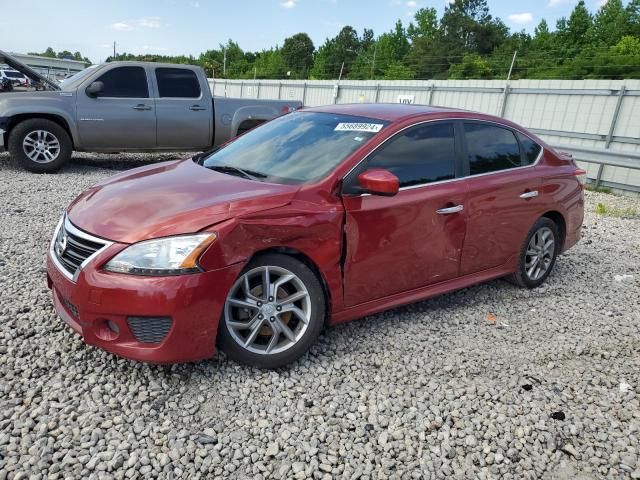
224	62
373	64
255	72
512	63
114	49
341	69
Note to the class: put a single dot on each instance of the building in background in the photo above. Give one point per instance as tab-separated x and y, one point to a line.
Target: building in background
52	68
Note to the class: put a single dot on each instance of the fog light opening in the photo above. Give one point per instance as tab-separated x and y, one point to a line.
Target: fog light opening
113	327
107	330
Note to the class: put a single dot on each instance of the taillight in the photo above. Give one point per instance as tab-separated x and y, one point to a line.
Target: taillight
581	175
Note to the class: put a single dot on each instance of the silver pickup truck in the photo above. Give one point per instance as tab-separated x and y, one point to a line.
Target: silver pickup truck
123	106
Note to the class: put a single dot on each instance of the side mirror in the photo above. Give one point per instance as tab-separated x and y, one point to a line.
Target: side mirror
95	89
378	181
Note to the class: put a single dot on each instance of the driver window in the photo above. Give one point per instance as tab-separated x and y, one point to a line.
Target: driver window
125	82
419	155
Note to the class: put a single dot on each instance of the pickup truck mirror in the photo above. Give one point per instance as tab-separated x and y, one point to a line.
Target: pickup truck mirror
95	89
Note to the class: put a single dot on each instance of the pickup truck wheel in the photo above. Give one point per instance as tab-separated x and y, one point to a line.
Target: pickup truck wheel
40	145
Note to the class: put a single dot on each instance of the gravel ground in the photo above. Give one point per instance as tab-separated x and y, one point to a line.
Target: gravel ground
434	390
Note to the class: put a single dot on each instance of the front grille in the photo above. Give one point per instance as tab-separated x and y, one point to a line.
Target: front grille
149	329
72	247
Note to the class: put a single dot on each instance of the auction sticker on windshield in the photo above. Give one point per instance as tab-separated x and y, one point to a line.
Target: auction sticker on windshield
359	127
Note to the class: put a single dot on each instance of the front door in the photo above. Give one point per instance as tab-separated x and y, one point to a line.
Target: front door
396	244
122	116
185	113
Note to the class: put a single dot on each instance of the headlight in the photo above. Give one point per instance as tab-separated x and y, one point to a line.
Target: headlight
164	256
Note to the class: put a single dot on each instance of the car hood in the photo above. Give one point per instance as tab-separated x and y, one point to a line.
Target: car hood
28	71
170	198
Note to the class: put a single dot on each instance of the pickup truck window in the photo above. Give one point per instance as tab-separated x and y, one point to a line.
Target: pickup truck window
125	82
177	83
297	148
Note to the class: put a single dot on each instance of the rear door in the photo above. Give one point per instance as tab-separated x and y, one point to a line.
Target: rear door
414	238
503	195
123	116
185	111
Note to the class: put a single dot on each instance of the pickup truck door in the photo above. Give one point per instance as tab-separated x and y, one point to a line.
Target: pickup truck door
122	115
183	107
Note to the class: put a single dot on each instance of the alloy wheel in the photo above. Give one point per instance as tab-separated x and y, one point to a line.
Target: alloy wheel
268	310
539	254
41	146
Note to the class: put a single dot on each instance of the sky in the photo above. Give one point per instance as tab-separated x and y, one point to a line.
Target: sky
172	27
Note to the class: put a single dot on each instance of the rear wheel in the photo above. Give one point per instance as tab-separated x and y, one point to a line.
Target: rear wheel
40	145
538	254
273	313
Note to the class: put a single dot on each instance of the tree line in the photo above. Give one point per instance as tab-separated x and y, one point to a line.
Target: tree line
465	42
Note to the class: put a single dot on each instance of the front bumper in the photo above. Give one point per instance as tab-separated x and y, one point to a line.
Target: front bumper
194	304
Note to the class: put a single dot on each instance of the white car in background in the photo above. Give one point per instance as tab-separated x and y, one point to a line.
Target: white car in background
15	77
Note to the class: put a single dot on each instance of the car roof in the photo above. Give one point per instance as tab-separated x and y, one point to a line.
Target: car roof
386	111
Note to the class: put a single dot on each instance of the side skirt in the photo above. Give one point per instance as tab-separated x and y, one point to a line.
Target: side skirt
419	294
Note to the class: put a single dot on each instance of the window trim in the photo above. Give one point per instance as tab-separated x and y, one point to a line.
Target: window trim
193	99
101	74
465	163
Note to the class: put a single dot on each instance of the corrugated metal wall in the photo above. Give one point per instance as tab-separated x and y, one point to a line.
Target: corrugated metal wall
601	114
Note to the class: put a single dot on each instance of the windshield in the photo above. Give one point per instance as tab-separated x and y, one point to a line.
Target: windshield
73	81
296	148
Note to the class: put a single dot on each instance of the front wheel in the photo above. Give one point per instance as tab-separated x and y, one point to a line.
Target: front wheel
40	145
273	313
538	254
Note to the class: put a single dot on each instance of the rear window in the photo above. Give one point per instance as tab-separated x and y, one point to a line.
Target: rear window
177	83
530	149
491	148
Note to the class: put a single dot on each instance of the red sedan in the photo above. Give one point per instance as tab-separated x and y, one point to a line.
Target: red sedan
319	217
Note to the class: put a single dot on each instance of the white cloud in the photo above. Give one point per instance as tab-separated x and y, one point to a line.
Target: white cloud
121	27
195	4
412	4
556	3
150	22
521	18
289	3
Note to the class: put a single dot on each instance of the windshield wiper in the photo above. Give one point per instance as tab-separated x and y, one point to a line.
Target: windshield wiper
235	170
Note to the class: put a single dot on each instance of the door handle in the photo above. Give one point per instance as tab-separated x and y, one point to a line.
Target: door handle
450	210
197	108
531	194
142	106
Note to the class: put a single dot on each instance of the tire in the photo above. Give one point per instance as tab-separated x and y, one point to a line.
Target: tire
56	145
254	314
527	275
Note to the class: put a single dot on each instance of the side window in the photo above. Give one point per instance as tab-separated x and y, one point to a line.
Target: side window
177	83
422	154
125	82
491	148
530	149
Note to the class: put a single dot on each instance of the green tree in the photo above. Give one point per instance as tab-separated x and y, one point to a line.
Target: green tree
297	53
610	24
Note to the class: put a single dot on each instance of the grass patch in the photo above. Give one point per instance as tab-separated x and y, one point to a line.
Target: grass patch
593	188
602	209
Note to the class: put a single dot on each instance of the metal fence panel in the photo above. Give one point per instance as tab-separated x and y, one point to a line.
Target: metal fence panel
579	114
